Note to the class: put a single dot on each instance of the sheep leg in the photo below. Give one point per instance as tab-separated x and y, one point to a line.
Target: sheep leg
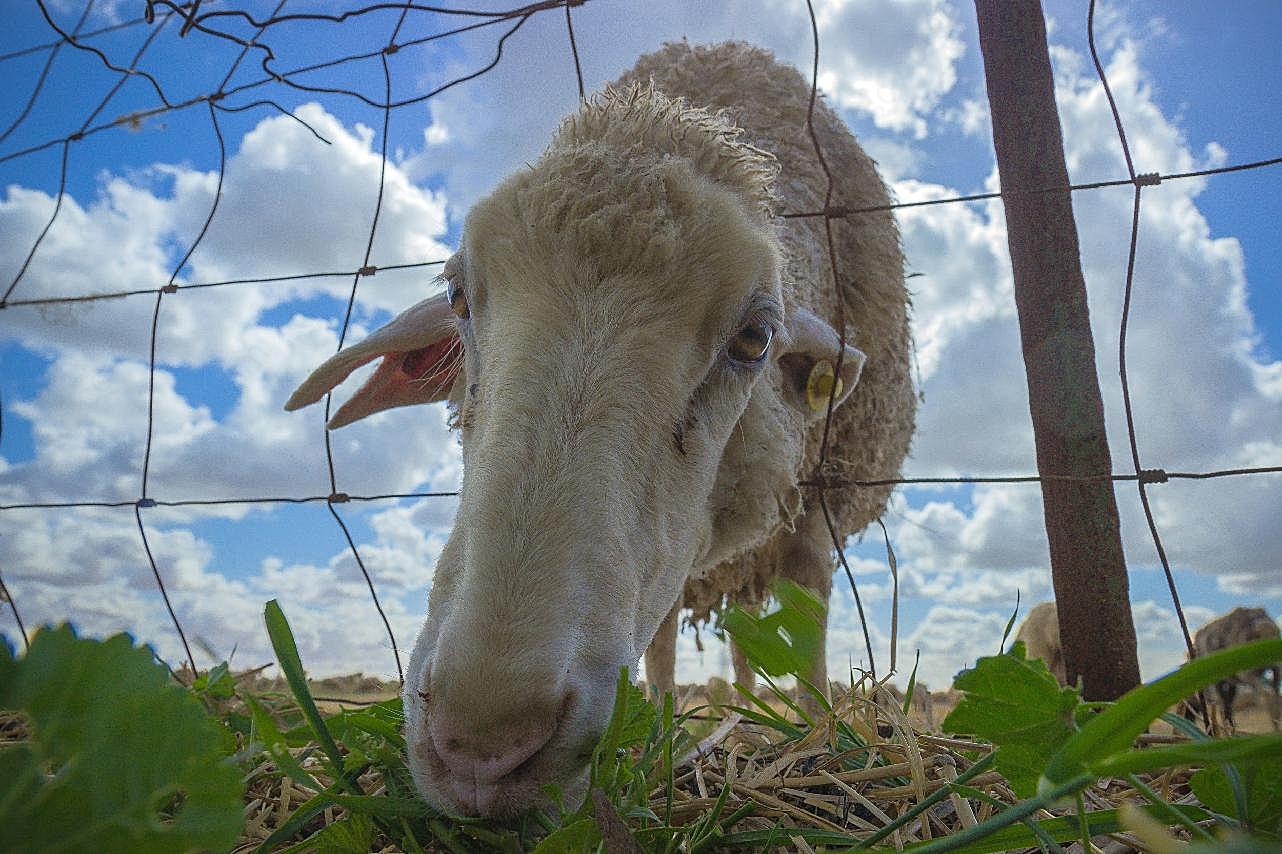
819	668
1274	692
661	655
1227	689
805	556
743	673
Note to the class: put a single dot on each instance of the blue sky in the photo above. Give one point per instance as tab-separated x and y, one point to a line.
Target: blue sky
1197	88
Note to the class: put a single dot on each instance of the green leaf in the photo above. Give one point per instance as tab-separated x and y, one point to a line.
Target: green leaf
301	815
1220	750
268	735
786	641
121	758
1114	730
1019	707
282	639
217	683
381	805
574	838
1062	829
1261	775
353	834
7	665
630	723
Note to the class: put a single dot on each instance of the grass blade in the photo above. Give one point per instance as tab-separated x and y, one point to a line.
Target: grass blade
282	639
1202	753
1060	829
1114	730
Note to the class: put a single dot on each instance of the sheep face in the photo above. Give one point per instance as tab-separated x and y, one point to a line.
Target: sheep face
632	400
607	366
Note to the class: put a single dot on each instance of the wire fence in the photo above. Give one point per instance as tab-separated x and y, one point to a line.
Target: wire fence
207	18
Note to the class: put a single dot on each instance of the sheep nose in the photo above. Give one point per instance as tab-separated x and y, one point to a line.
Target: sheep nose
480	754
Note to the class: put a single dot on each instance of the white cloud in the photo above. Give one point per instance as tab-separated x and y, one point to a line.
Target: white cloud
1205	396
89	565
290	204
866	46
893	61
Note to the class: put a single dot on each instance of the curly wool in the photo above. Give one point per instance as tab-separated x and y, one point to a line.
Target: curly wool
870	434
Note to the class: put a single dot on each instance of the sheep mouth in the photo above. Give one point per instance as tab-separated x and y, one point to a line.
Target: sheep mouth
524	788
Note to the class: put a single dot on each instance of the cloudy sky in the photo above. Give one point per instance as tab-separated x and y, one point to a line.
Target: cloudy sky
1196	89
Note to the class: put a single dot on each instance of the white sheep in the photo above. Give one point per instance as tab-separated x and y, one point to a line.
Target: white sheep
1040	634
639	355
1239	626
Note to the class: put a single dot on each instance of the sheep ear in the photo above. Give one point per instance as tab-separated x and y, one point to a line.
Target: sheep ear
809	362
421	355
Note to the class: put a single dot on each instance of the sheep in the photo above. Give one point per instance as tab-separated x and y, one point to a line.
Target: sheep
870	434
638	355
1040	634
1239	626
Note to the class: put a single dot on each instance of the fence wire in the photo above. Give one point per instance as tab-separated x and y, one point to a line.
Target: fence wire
203	17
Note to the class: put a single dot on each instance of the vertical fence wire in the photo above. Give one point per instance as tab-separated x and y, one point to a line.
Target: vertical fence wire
840	297
1140	182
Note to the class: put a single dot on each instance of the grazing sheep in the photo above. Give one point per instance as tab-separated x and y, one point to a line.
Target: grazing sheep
1040	634
1239	626
870	433
639	356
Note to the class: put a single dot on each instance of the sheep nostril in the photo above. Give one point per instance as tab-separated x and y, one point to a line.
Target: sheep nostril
485	752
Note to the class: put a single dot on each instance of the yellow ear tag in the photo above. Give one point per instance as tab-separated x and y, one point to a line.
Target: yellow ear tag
819	385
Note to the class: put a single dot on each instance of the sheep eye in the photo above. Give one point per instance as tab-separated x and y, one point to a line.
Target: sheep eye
751	343
457	300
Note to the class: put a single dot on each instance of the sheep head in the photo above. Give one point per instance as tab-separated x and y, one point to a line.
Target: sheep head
632	387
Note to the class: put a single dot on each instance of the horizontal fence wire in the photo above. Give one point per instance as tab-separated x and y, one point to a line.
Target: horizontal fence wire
1150	179
1148	476
207	19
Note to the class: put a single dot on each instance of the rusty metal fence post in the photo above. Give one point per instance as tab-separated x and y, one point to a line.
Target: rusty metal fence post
1087	565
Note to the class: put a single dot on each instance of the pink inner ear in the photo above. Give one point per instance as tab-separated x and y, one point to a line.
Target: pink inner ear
435	365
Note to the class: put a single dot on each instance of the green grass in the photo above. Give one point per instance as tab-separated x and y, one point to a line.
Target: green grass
102	750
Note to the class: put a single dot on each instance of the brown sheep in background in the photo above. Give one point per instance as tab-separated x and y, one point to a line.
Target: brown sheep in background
1239	626
1040	634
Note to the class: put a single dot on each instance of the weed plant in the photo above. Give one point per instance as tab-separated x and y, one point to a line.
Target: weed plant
101	749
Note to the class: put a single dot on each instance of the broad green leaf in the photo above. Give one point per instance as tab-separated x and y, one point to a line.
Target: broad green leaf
352	834
381	721
217	683
630	722
1019	707
786	641
1114	730
120	759
574	838
1261	776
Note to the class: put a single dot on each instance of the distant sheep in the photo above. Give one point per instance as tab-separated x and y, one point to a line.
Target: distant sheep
639	356
1040	634
1239	626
